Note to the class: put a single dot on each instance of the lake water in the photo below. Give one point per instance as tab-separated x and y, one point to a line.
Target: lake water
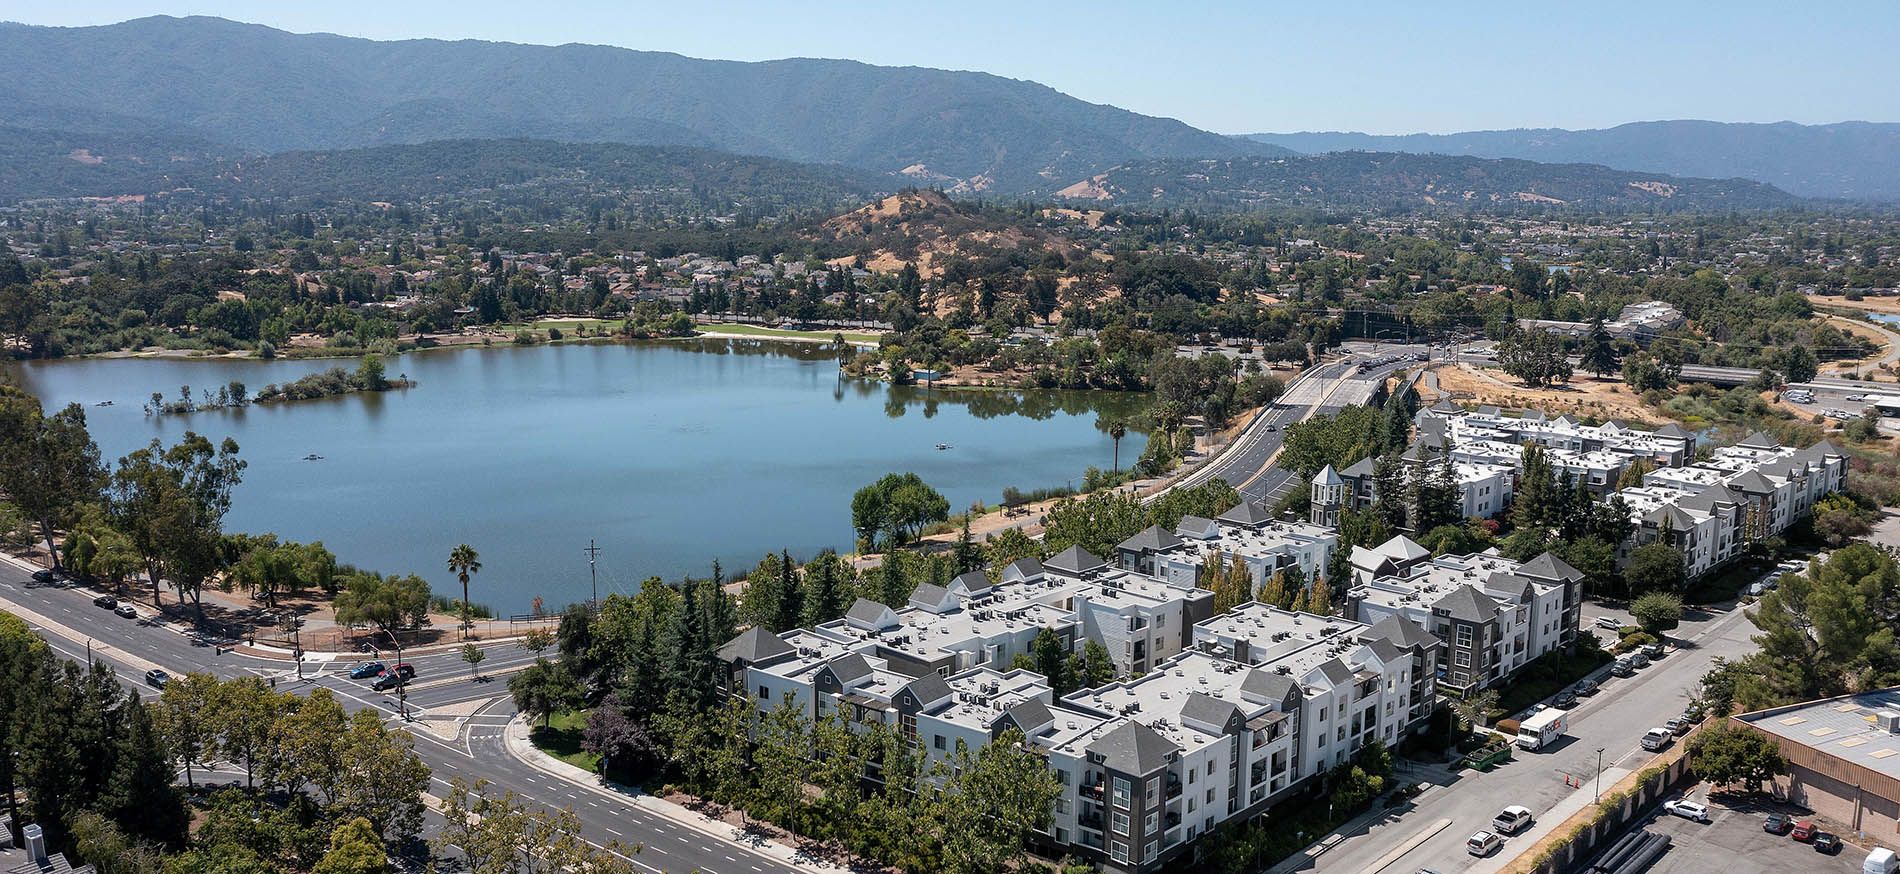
667	454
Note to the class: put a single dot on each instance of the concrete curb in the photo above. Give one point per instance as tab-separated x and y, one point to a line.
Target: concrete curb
515	740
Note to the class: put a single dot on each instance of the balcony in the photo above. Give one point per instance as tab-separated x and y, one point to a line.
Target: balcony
1173	818
1094	791
1090	820
1174	786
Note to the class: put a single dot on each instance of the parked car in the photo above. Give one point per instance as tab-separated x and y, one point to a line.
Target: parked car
1638	660
106	601
1678	726
1804	831
366	670
1777	824
1586	688
1694	713
1826	843
1564	700
1610	622
1621	668
1512	820
157	678
42	576
1483	844
1653	651
1687	809
1656	739
127	611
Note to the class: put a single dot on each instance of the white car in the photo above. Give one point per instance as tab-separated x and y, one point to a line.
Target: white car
1483	844
1512	820
1687	809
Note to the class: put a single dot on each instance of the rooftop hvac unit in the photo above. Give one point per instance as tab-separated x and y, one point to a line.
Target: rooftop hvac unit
1889	721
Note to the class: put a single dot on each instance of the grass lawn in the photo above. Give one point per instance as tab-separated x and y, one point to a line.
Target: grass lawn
562	739
567	326
756	331
1547	675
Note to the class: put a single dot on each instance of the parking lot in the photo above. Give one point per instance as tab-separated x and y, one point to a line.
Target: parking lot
1734	843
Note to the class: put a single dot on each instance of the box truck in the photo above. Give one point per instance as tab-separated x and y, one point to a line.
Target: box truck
1542	728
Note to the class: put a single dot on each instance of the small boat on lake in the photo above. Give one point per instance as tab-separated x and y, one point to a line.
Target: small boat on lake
943	446
313	457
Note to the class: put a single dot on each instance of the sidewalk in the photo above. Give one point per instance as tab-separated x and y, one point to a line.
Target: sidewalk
515	739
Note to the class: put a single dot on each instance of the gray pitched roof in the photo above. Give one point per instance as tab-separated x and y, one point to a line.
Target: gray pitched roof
1672	430
1153	538
1674	515
1336	671
929	687
1075	560
850	667
1327	477
925	593
1247	513
1386	650
1134	748
1193	524
1531	415
975	581
1028	567
1759	440
1468	604
1359	469
1266	685
1207	710
1031	714
1751	481
1399	630
866	611
1446	405
1549	567
755	645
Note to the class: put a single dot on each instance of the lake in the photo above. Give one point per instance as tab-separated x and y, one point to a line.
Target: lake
668	454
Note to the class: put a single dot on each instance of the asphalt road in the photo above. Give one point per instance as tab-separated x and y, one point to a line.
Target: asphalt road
1613	719
1247	464
476	753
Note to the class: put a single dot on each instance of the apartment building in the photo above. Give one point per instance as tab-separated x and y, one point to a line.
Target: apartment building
1491	614
1712	510
1246	534
1486	481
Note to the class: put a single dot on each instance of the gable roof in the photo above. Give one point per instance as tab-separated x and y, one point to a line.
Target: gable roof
1030	715
1677	518
1359	469
929	687
755	645
1210	712
974	582
1446	405
1075	561
1134	748
1196	526
1672	430
850	668
1247	513
1759	440
1467	604
1153	538
1399	630
1027	568
927	596
1265	685
867	613
1403	548
1335	672
1751	481
1549	567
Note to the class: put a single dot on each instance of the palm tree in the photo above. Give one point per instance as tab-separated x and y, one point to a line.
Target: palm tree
1116	431
463	560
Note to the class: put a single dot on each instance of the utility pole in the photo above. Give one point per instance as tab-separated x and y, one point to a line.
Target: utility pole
1599	779
593	576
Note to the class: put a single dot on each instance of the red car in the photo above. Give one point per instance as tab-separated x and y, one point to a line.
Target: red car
1803	831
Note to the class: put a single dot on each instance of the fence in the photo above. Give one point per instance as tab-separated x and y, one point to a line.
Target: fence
1572	855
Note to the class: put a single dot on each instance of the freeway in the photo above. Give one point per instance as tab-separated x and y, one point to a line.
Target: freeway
1248	465
457	724
1613	719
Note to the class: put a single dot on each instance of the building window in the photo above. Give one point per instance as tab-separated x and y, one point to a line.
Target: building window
1462	659
1152	847
1464	635
764	693
1149	822
1121	823
1118	851
1122	790
1154	788
939	743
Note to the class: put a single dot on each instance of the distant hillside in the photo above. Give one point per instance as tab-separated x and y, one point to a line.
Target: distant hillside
926	229
104	165
1391	180
249	87
1854	160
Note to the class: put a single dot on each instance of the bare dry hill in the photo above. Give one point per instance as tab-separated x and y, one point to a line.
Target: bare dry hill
925	228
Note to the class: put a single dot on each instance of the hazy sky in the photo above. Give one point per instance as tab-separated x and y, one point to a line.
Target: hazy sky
1233	67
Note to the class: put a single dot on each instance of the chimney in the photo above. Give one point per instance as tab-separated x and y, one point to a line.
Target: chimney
35	844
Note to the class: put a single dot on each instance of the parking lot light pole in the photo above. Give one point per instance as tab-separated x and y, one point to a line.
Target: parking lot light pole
1599	778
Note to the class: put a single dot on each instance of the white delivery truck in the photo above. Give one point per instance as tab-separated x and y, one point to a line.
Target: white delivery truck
1880	861
1542	728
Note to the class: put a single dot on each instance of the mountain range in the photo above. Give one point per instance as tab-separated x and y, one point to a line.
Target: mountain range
1853	160
250	88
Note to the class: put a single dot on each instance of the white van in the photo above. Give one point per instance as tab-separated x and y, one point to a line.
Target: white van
1656	739
1483	844
1880	861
